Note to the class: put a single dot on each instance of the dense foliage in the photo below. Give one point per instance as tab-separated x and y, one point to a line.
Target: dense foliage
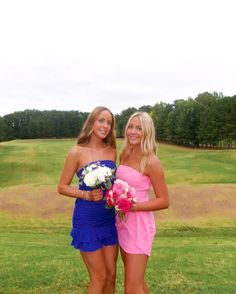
209	120
31	124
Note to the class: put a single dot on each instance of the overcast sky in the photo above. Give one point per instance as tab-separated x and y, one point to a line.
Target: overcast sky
75	55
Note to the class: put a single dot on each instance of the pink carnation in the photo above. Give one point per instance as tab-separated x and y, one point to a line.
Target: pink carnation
121	196
110	198
131	193
110	202
119	189
124	205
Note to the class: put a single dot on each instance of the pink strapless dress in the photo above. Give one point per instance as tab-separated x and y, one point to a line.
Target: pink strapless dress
136	232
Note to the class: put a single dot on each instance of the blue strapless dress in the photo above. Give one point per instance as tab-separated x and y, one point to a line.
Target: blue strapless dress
93	224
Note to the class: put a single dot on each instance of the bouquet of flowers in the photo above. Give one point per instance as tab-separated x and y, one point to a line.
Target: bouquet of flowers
97	175
120	196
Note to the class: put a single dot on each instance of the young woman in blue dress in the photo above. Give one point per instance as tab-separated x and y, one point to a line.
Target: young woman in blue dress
93	232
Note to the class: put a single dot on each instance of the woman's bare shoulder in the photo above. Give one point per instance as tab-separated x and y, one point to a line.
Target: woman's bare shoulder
154	164
76	150
154	160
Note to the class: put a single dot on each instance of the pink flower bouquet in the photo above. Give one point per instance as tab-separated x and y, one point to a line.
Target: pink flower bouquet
120	196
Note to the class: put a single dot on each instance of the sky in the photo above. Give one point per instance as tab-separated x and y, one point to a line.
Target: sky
76	55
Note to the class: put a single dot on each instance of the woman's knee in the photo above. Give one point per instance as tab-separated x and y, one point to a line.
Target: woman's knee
133	288
100	277
112	275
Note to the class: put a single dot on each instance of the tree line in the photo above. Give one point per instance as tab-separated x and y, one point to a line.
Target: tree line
209	120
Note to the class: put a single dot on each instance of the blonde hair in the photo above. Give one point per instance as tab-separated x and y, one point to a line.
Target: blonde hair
148	142
87	128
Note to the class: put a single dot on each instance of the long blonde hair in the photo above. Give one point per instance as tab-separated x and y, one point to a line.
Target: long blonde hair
148	142
87	128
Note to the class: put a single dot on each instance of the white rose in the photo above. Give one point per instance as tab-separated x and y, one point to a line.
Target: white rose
92	166
89	180
107	170
100	174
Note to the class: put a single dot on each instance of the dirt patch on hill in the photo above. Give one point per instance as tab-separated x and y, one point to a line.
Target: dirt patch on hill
40	201
196	202
186	202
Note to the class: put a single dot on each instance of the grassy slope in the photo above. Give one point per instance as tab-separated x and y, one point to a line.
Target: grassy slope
40	162
194	166
32	161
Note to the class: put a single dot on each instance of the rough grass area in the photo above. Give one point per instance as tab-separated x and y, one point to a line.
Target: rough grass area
186	202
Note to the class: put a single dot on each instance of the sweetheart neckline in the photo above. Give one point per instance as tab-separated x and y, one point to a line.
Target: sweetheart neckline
134	170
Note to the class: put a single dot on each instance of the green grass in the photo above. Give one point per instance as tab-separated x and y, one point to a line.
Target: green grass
32	161
196	166
40	162
36	258
196	256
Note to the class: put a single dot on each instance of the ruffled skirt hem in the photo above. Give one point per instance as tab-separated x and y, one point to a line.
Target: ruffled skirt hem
92	240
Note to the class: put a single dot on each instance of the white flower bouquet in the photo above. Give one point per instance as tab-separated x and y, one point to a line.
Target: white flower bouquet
97	175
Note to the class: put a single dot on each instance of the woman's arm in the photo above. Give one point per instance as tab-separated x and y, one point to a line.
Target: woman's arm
156	174
68	172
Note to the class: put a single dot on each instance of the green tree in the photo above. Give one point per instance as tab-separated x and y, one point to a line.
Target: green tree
207	132
2	130
226	121
43	124
159	114
145	108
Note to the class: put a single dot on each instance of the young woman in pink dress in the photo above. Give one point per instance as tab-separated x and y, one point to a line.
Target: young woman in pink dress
141	169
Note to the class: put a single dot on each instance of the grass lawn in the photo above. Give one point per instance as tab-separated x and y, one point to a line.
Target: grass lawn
36	258
194	249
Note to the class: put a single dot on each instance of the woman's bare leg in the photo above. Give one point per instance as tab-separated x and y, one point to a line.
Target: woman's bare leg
110	256
135	266
96	266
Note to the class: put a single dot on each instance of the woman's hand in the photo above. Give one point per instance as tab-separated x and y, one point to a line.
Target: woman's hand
134	207
95	195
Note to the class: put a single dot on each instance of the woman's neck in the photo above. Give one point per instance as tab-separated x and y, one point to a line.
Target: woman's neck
135	151
96	143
